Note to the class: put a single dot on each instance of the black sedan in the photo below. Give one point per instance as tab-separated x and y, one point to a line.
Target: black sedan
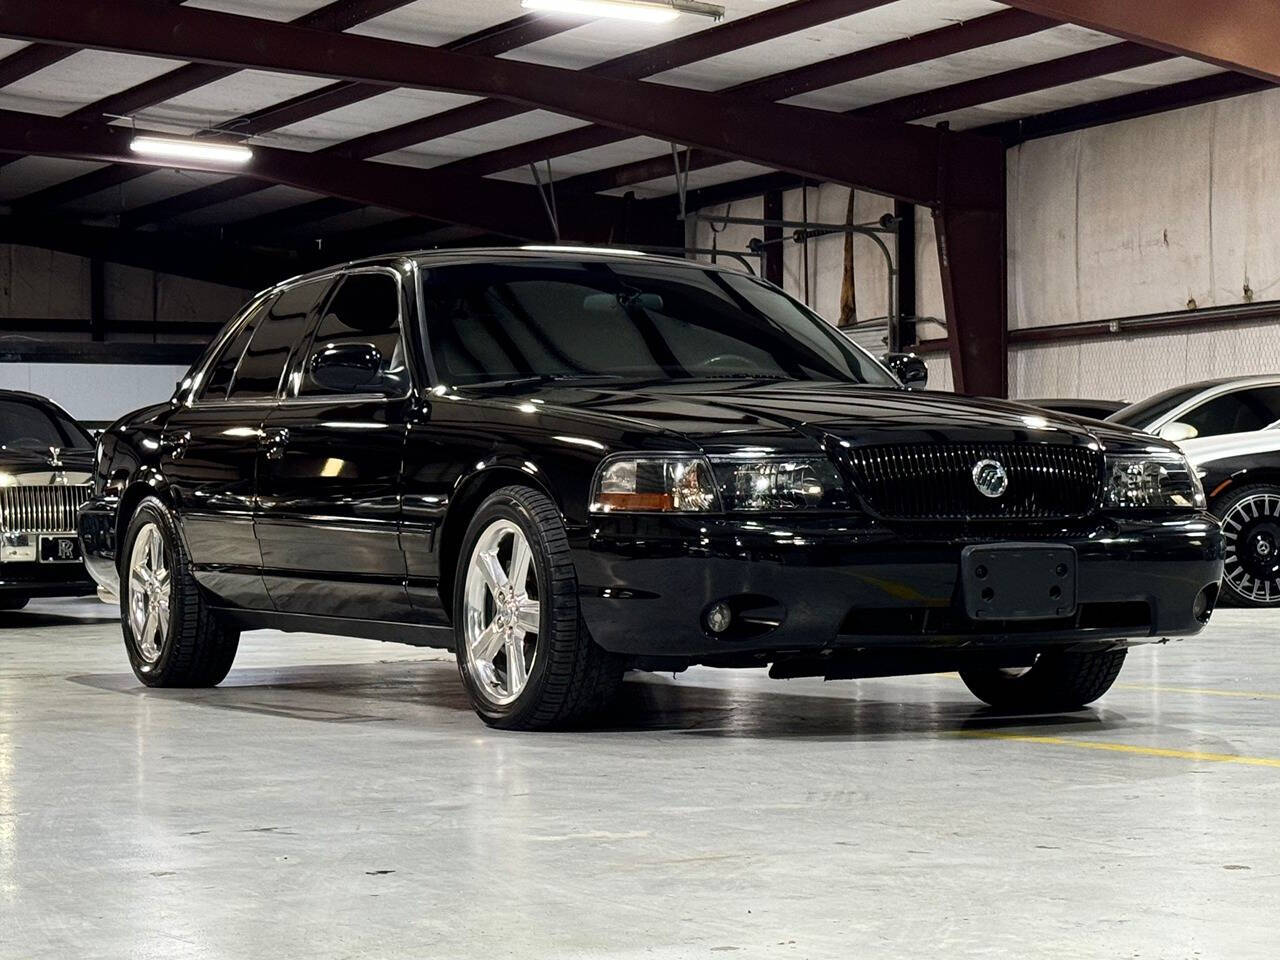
568	464
45	462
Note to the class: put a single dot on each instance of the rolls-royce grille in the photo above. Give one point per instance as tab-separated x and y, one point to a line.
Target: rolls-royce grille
943	481
50	509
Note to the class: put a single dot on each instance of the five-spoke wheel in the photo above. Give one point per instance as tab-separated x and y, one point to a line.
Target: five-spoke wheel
502	612
149	592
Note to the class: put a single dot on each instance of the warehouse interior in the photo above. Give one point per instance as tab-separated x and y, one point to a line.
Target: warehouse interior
1068	199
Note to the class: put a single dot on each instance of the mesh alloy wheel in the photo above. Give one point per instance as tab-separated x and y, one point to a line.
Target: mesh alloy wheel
1251	528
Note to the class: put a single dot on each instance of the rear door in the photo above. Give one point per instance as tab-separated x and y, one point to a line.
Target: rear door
329	472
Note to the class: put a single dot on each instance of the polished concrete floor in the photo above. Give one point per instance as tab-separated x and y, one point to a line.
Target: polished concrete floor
337	798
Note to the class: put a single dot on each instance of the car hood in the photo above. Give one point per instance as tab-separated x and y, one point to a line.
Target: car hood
789	415
1209	449
36	468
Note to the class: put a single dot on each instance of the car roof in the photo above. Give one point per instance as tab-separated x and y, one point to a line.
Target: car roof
550	253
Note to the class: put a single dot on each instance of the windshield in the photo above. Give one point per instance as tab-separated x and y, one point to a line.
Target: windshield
513	320
1146	412
30	426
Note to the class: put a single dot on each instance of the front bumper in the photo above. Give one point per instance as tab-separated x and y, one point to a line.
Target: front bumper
805	584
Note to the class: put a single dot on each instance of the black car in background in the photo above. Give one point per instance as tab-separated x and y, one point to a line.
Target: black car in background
1078	407
45	463
567	464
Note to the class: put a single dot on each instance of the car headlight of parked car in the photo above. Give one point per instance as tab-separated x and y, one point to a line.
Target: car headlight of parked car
693	484
1153	480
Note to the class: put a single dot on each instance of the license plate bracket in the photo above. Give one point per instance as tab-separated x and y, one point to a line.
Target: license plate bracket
60	549
1018	581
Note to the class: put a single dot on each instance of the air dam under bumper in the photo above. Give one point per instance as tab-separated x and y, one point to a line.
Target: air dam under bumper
646	583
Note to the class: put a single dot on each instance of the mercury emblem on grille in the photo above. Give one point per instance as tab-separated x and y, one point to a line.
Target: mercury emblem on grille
991	478
55	456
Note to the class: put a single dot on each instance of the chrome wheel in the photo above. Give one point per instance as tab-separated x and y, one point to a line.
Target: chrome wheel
502	612
1252	562
150	588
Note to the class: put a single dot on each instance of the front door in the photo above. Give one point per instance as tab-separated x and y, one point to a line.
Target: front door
329	467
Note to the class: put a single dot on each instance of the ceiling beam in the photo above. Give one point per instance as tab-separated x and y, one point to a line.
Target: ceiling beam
1127	106
1235	34
30	59
336	16
747	31
900	160
508	209
945	41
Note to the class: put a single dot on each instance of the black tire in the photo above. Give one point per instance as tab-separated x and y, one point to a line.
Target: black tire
570	678
13	602
198	650
1055	682
1251	574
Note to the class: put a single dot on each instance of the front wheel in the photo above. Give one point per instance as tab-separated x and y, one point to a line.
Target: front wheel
524	654
172	637
1251	527
1054	682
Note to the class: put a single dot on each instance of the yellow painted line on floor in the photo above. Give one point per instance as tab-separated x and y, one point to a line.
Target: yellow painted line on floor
1130	748
1199	691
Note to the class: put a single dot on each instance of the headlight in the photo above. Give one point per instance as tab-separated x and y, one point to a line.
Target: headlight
1152	481
677	483
780	484
655	484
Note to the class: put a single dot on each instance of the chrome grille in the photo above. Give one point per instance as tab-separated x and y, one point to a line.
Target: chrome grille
934	481
50	509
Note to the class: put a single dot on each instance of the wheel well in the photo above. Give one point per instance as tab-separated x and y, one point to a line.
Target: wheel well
1267	475
133	495
462	507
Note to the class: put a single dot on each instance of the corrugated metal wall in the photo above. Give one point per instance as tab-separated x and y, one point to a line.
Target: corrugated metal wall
1163	213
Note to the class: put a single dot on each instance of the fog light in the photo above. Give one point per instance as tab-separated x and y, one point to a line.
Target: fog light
1203	606
719	617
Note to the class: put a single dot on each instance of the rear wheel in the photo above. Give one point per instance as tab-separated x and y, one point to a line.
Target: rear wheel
1251	526
524	654
172	638
1054	682
13	602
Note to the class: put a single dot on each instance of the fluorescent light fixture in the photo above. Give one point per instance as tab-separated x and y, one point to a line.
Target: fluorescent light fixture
646	11
184	149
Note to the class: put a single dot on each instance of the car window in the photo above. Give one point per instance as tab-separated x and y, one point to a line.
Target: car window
365	313
648	321
274	338
1239	412
31	426
218	376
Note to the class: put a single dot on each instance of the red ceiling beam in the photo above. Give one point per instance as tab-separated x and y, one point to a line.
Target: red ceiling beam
338	15
747	31
30	59
1013	83
1127	106
945	41
503	208
1235	34
890	158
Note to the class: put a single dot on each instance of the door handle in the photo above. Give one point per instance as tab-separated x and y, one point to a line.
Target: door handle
276	443
175	444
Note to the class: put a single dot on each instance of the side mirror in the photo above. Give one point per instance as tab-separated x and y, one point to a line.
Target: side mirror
1177	431
910	370
346	367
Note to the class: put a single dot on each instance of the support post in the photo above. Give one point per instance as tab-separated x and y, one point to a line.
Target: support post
905	261
972	257
773	238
